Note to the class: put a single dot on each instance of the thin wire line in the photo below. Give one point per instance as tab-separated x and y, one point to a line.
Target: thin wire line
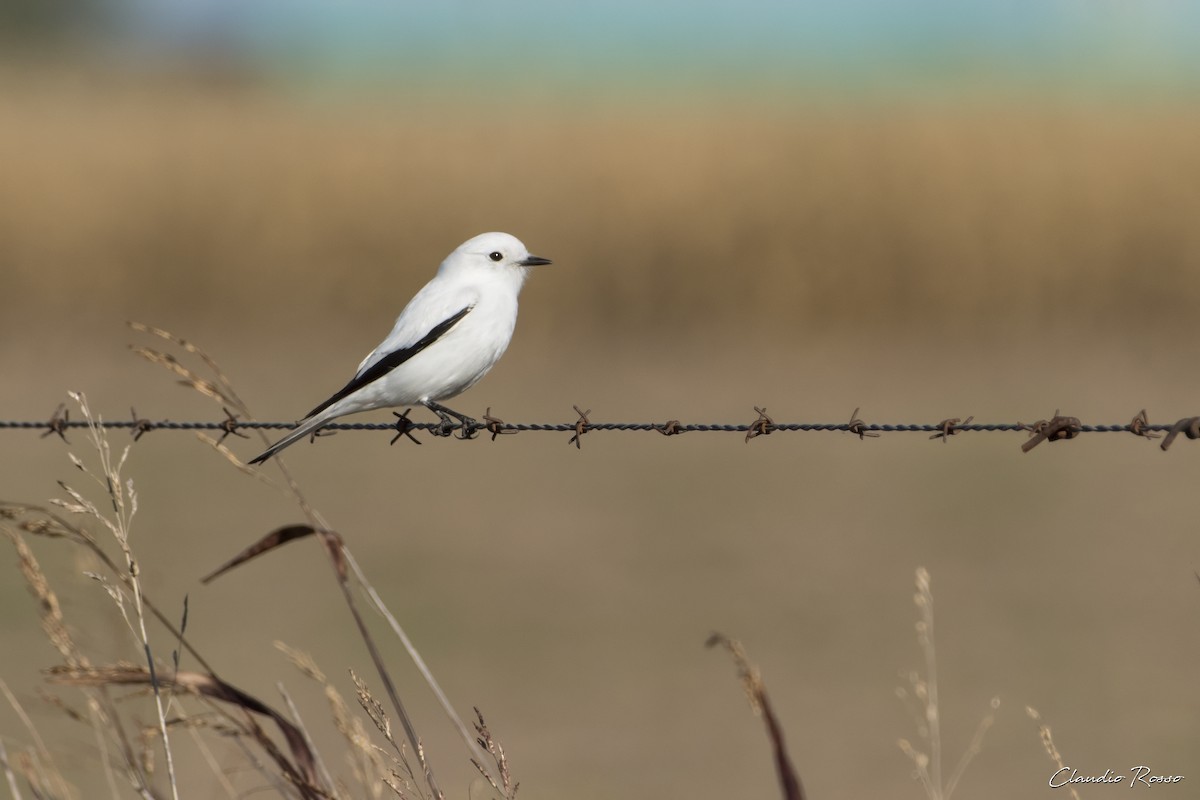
564	427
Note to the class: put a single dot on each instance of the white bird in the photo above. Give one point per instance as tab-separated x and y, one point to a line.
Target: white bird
448	336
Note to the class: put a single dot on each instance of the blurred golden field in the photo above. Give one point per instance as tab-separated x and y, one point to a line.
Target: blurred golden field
786	216
922	259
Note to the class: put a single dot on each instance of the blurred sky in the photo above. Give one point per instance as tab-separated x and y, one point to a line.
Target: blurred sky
865	44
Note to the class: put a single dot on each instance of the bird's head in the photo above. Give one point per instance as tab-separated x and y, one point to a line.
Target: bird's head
493	255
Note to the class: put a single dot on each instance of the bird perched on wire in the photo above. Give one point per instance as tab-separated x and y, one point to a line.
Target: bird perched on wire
446	338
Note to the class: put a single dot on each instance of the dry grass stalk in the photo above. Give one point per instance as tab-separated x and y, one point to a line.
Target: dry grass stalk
299	771
374	710
190	348
928	766
103	715
67	710
221	390
403	781
379	718
204	387
53	623
1048	744
133	605
368	762
115	594
38	764
507	788
299	723
54	626
224	393
13	789
303	662
238	464
33	774
123	498
756	694
195	726
414	655
339	557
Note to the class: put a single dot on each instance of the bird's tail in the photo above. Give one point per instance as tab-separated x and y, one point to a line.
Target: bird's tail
305	428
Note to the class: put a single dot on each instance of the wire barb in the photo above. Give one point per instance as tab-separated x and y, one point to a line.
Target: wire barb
404	427
856	425
950	428
761	426
581	426
1188	426
230	426
494	425
1056	428
58	422
671	428
1139	425
141	425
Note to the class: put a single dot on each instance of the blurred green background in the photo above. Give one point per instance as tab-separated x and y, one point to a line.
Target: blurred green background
928	211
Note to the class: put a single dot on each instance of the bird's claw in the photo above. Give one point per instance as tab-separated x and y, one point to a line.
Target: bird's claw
468	428
445	426
450	421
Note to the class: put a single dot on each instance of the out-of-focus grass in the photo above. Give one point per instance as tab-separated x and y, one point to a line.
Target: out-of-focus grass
1001	215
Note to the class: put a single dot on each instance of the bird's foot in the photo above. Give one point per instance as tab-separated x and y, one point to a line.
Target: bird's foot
447	426
468	429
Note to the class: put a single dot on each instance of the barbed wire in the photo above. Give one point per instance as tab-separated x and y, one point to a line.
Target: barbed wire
1056	428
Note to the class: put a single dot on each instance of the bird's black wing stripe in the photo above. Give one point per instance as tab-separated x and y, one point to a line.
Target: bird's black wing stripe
392	360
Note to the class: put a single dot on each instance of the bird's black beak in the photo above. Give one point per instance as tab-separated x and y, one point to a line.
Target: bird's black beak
534	261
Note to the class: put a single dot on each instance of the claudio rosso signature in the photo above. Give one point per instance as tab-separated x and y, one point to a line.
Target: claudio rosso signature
1138	776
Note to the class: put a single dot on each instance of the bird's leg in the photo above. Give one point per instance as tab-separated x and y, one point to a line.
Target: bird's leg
447	417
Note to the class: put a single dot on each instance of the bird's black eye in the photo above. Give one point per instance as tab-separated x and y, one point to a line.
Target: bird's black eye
495	255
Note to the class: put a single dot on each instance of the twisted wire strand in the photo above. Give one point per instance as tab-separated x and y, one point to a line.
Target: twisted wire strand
564	427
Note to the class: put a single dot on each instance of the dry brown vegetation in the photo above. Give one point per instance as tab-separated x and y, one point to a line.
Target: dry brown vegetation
786	216
129	753
568	592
